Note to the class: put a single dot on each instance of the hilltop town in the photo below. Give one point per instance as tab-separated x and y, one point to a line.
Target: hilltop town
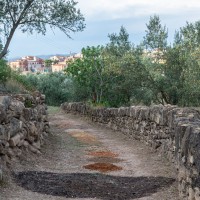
33	64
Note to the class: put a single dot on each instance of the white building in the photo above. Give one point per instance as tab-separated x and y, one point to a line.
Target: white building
34	64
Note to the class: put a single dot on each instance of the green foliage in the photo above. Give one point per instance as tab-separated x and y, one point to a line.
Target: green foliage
121	74
182	67
154	72
88	73
38	15
154	60
104	76
56	86
28	103
22	80
48	63
190	35
156	35
16	83
119	43
5	72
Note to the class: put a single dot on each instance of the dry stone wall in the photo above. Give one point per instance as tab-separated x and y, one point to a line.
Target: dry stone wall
172	130
23	126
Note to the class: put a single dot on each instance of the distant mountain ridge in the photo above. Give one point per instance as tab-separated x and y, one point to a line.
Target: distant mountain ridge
44	57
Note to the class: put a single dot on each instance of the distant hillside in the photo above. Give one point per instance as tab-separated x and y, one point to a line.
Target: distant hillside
42	56
48	56
13	59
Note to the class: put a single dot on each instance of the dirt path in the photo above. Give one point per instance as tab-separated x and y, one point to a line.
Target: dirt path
85	161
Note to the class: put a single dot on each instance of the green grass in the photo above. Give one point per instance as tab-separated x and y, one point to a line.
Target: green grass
53	109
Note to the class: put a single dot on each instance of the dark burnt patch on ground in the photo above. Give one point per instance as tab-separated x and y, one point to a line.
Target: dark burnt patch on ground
88	185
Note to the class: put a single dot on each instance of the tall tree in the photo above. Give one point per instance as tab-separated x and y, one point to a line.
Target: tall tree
119	43
89	72
156	34
190	48
36	15
155	42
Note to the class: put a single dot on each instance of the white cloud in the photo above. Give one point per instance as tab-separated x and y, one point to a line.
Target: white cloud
106	16
115	9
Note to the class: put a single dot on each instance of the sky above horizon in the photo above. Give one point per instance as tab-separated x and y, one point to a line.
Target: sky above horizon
103	17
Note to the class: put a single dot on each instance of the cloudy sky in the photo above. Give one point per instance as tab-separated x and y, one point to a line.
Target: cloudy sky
104	17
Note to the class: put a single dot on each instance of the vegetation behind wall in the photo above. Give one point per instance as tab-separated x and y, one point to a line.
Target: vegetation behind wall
121	73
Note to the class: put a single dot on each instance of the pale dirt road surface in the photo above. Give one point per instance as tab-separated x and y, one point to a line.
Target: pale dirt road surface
86	161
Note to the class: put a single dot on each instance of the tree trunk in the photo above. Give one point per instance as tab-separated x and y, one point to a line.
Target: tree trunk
164	97
5	49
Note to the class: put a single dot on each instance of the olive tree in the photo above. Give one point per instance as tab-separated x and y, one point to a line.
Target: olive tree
37	15
156	45
89	72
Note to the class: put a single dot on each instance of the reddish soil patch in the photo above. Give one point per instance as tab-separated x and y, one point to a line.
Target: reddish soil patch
84	137
104	160
107	154
103	167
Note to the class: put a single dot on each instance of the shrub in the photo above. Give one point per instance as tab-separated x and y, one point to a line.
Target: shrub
5	72
57	87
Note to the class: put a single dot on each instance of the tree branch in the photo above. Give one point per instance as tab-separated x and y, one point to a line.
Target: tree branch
12	31
9	10
27	6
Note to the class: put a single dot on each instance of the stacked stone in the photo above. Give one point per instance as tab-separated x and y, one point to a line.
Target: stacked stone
169	129
23	126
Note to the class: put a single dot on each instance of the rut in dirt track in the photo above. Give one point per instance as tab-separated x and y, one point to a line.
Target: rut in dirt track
84	160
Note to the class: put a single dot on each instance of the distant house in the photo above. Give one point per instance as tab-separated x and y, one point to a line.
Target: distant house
28	64
58	67
156	55
19	65
74	57
63	62
57	58
34	64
